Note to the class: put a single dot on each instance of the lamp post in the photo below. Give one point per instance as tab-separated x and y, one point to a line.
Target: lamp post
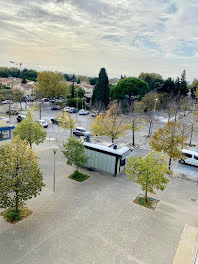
54	150
77	105
155	104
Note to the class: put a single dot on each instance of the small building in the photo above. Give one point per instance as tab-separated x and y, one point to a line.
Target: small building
5	128
107	159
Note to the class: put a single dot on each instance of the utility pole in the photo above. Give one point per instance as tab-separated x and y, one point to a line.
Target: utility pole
77	105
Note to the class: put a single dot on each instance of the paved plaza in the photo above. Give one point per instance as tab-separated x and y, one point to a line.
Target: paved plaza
96	221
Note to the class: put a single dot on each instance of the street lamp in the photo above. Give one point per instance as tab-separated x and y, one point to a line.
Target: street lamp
55	148
77	105
155	104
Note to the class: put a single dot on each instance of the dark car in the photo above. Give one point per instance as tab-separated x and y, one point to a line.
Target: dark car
54	121
12	112
20	118
56	107
73	110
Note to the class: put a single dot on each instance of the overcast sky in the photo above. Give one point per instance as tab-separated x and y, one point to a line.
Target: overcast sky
81	36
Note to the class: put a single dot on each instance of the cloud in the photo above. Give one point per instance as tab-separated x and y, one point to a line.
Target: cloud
83	35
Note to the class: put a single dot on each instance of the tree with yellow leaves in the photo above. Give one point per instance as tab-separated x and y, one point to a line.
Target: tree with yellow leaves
168	139
66	121
111	124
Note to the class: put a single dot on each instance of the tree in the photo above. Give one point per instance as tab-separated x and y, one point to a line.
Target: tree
112	124
154	80
149	172
67	78
78	81
66	121
30	131
18	95
79	92
24	81
93	81
183	85
29	75
20	176
136	111
14	72
4	73
51	85
72	90
168	139
101	90
73	78
130	87
75	153
150	102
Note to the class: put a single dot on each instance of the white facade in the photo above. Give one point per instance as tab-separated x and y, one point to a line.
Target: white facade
106	159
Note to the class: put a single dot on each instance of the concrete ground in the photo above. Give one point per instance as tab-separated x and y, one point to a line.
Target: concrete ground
96	221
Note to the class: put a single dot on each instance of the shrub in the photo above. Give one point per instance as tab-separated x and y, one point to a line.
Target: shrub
12	216
78	176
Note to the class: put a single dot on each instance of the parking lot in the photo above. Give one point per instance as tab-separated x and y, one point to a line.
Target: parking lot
96	221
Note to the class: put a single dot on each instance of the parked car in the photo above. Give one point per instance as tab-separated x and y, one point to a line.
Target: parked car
191	157
94	114
56	107
52	101
7	102
12	112
83	112
67	109
20	118
43	123
45	100
54	121
80	131
73	110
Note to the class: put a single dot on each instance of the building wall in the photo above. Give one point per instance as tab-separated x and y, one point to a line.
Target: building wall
100	161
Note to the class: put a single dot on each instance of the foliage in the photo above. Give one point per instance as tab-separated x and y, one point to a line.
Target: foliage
18	95
93	81
20	176
79	92
78	176
101	90
136	122
66	121
14	72
148	172
75	152
130	86
4	73
72	90
154	80
72	102
31	131
73	78
51	85
67	78
24	81
112	124
168	139
150	101
12	216
28	74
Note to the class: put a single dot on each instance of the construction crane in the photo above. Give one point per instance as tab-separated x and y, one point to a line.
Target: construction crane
17	63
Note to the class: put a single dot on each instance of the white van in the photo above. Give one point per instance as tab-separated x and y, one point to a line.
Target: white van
191	157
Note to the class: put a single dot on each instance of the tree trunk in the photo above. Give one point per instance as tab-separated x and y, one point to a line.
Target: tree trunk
17	203
169	163
70	132
112	140
146	196
191	134
133	135
150	125
21	105
31	145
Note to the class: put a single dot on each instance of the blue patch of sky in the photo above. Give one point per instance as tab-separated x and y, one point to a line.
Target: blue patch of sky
145	41
172	9
187	51
113	38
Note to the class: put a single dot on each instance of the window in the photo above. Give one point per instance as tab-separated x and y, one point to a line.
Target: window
188	155
196	157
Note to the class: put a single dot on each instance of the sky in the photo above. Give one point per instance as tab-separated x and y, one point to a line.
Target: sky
80	36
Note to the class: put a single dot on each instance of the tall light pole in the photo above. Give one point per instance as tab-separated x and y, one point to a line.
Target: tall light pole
54	182
155	104
77	105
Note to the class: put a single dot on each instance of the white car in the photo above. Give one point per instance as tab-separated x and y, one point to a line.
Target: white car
80	131
43	123
7	102
83	112
67	109
191	157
